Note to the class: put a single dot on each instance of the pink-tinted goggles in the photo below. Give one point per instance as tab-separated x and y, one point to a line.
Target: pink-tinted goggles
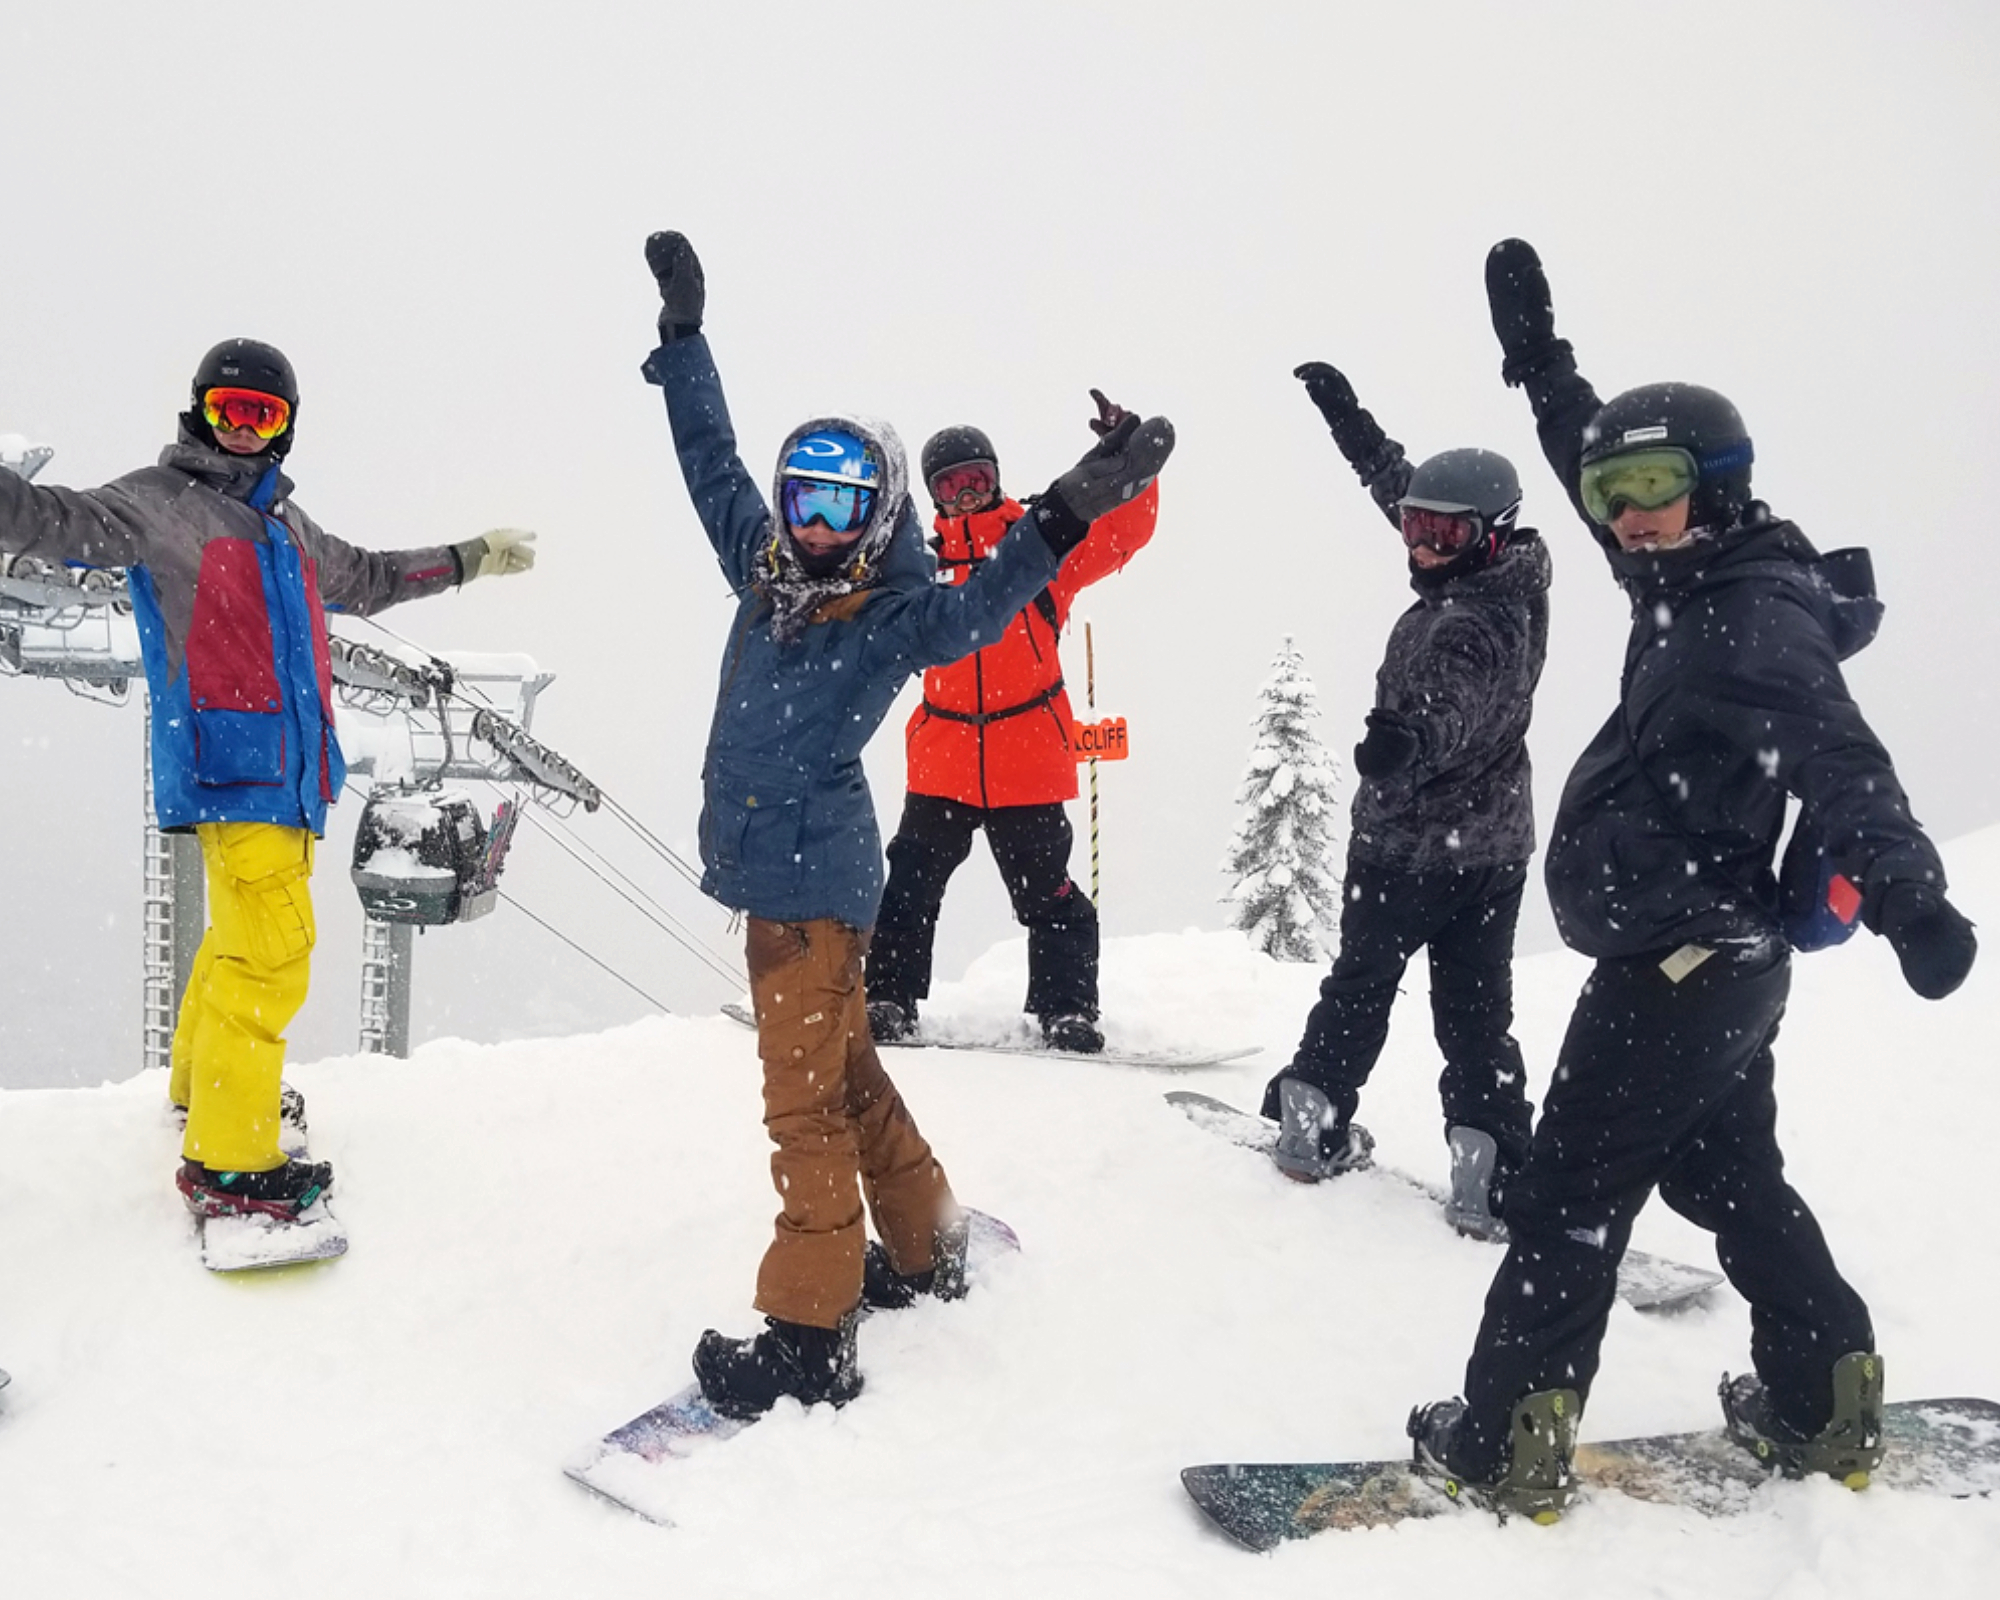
1446	532
979	479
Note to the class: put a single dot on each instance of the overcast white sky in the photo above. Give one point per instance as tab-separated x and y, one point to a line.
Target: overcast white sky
973	213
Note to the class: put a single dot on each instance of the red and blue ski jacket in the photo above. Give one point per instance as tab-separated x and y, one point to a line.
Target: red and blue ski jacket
230	587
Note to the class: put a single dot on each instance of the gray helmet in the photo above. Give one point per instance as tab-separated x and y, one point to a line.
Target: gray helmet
1475	481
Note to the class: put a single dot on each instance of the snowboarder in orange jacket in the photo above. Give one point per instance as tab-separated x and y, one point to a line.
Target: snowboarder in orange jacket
990	748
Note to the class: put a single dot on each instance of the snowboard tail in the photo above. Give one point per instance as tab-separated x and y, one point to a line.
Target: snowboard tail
1943	1447
626	1465
1645	1282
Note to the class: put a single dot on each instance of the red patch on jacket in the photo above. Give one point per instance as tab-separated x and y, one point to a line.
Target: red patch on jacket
229	664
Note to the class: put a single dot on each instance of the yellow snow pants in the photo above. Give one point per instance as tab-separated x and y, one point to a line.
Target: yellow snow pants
249	981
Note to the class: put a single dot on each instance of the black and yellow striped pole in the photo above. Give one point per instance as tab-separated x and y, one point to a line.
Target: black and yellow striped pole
1090	701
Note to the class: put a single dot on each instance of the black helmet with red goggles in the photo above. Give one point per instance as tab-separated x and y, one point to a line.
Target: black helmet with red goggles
960	461
236	386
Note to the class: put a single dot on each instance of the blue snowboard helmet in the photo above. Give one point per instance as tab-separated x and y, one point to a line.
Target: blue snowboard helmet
833	478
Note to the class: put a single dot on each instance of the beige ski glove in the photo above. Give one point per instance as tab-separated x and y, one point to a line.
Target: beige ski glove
498	553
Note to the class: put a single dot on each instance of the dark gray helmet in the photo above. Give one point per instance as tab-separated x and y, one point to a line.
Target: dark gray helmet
1477	481
1688	417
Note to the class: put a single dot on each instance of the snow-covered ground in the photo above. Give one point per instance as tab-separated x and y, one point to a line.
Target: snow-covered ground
542	1230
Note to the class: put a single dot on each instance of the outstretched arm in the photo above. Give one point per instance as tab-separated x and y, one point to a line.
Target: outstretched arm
362	582
1378	460
80	527
934	626
726	498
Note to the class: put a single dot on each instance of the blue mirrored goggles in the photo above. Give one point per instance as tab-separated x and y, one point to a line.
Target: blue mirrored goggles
841	507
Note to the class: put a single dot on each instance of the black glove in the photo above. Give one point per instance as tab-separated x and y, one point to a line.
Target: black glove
1109	414
1111	472
1391	746
677	270
1524	317
1931	938
1327	387
1359	436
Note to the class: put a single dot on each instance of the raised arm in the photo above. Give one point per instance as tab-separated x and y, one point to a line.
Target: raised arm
726	498
1378	460
1524	321
1117	536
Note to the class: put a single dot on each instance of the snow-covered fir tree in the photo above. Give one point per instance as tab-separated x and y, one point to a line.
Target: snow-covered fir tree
1287	889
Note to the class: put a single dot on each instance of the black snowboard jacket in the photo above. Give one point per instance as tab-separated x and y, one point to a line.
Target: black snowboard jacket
1732	699
1460	668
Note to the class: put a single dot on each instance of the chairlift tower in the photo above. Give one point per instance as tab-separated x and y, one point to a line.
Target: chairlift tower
423	856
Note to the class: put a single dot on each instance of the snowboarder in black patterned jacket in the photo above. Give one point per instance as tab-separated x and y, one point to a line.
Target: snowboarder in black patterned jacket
1660	868
1443	821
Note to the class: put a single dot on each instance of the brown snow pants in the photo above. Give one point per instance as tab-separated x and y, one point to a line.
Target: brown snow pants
841	1128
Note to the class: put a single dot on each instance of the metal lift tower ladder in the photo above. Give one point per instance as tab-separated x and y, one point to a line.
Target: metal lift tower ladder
57	622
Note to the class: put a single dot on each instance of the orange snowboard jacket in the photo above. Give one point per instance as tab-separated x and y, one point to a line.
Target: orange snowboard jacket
993	729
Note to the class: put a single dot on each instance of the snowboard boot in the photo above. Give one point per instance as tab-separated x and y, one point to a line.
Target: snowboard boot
883	1288
283	1192
1535	1482
1073	1033
1312	1142
744	1378
1474	1168
1849	1447
891	1021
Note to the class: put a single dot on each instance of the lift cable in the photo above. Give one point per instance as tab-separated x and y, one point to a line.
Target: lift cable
637	898
537	767
467	691
579	949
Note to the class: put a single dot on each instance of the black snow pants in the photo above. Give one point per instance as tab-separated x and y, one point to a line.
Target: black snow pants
1668	1085
1467	919
1031	846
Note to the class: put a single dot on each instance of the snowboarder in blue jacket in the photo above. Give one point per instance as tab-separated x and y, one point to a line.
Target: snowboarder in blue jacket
836	608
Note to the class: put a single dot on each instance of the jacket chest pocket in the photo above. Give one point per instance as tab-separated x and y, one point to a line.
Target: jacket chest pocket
232	672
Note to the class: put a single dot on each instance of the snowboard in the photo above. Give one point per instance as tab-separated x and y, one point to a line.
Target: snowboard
627	1465
1157	1060
4	1379
255	1244
1645	1282
1943	1447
